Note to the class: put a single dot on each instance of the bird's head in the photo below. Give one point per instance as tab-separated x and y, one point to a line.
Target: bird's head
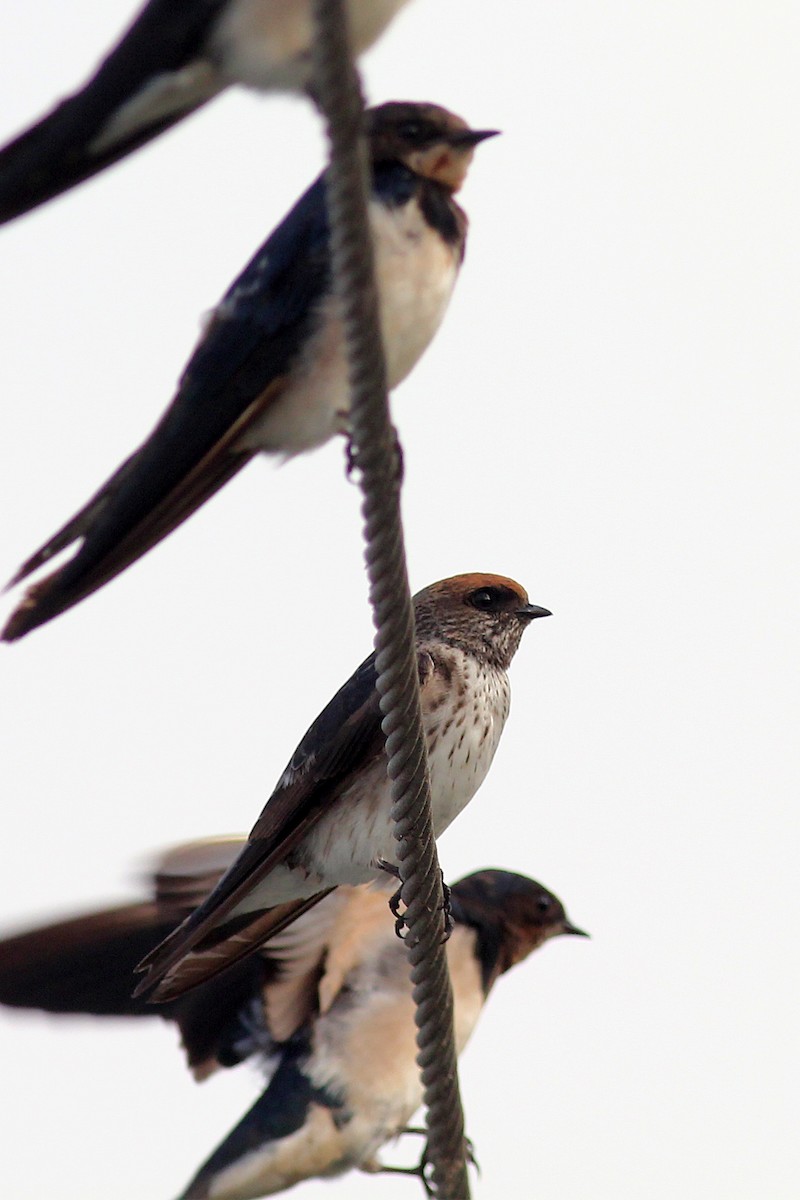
482	614
515	913
427	139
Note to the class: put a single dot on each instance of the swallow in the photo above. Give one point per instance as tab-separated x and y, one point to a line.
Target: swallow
175	57
270	371
328	821
327	1007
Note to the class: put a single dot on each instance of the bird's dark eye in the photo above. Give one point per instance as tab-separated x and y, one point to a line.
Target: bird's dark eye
415	132
486	599
543	904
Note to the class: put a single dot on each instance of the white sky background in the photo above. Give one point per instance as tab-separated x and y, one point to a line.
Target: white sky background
610	415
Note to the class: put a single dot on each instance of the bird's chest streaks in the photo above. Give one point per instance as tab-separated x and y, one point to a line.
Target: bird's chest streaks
464	708
416	271
463	724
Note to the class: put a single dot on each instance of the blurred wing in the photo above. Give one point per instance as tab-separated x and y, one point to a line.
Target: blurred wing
86	964
82	965
298	956
185	875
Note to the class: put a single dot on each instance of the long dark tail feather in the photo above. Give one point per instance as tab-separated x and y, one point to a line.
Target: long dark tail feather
86	965
202	925
75	139
76	526
109	549
56	154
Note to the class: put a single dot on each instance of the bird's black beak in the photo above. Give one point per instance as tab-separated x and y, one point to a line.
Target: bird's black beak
470	137
568	927
531	611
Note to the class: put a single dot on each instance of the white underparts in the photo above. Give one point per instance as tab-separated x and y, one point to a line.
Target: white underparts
266	44
416	272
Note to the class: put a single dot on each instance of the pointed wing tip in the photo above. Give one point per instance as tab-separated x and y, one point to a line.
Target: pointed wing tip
28	567
154	990
160	970
36	607
22	621
16	626
162	985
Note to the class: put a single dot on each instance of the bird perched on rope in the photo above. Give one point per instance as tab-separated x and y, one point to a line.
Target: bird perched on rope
176	56
270	371
328	821
327	1005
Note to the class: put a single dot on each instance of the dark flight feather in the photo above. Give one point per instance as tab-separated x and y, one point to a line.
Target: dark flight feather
57	153
236	372
344	736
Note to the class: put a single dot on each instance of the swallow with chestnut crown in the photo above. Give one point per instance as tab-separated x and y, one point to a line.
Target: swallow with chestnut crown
176	56
270	372
328	821
326	1001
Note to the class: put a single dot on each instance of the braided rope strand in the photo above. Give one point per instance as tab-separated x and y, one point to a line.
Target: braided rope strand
338	90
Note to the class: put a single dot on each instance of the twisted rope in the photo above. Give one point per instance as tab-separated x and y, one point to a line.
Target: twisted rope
338	91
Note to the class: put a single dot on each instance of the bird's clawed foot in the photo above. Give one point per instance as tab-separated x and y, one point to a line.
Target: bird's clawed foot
397	899
399	918
351	458
449	923
421	1170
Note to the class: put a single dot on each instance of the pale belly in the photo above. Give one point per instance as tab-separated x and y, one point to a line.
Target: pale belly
463	722
347	844
416	273
265	44
461	744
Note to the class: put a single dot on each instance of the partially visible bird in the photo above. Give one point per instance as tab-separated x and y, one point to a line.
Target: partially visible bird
328	820
270	371
327	1005
176	56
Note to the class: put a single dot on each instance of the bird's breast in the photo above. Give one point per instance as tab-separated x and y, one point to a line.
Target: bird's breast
266	44
465	704
416	272
464	711
364	1047
465	976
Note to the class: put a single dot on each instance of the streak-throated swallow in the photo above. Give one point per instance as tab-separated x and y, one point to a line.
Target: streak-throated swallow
328	821
270	371
327	1006
176	56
